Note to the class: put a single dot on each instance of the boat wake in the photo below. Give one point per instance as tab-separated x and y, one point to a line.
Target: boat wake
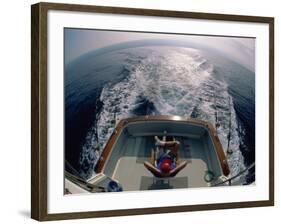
168	81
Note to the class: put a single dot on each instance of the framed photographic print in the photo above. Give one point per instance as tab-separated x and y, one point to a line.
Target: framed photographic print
139	111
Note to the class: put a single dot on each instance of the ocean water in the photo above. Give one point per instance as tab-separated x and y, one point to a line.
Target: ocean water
168	80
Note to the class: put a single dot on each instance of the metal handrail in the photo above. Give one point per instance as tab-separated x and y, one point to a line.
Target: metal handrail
82	183
73	170
235	176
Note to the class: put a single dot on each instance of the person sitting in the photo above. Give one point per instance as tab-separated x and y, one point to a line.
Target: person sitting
165	159
168	145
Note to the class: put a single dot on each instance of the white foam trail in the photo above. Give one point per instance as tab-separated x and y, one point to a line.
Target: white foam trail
178	81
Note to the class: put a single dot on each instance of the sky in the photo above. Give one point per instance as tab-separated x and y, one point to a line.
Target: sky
80	41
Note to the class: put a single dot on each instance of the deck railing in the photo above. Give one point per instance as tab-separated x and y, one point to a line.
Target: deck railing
229	180
84	184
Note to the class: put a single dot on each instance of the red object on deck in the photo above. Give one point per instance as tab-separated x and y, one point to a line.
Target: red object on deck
166	165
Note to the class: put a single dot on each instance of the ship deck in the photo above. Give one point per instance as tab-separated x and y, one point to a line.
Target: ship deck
131	173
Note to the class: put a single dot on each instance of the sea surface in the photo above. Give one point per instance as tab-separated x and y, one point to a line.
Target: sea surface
149	79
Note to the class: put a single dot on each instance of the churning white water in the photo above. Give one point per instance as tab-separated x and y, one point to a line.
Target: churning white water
172	81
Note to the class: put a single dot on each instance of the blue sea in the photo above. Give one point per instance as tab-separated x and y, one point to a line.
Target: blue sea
157	77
